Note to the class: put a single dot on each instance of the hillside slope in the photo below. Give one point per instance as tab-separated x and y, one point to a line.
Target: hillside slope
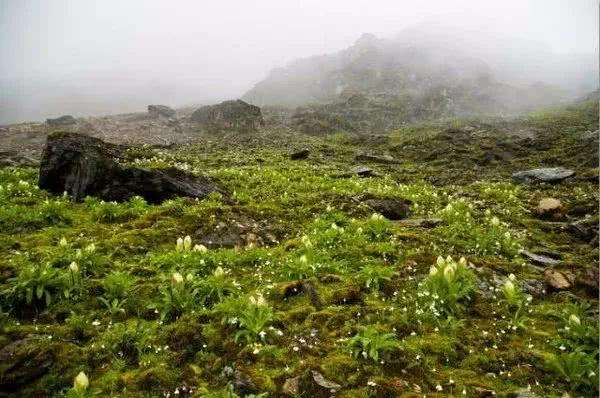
428	79
304	281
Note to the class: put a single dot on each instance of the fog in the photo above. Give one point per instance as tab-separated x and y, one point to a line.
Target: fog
112	56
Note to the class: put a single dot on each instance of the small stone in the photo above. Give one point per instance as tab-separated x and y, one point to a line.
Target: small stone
557	280
534	287
322	382
540	259
550	208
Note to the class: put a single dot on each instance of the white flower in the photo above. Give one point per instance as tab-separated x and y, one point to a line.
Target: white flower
73	267
96	323
574	319
512	277
91	248
81	382
187	243
179	246
509	287
176	278
371	383
258	300
200	248
495	221
62	242
439	387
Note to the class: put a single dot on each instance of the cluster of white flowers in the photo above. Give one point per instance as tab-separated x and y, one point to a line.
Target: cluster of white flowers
185	245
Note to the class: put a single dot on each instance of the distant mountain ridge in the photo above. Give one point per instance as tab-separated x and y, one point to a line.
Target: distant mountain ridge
425	74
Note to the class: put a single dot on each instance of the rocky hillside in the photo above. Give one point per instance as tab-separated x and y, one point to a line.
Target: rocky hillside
418	80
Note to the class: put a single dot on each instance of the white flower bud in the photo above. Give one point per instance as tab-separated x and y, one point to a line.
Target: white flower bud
187	243
176	278
200	248
81	382
73	267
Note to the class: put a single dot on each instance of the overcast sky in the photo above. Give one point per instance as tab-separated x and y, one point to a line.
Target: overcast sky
110	55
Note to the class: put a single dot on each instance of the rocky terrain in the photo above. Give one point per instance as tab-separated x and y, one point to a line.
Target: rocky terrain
305	256
400	79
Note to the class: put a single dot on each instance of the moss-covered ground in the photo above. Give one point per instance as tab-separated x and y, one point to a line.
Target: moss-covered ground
316	280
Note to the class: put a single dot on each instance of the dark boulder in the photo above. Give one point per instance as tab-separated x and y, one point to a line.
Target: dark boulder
300	155
360	171
392	209
589	279
235	115
553	174
86	166
585	230
157	111
66	120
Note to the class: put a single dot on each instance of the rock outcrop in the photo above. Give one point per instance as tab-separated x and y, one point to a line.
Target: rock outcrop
229	115
156	111
86	166
66	120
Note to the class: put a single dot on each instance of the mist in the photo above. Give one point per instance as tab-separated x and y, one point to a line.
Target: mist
92	58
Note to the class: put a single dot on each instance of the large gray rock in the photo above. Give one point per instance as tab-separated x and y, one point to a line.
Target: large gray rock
392	209
552	174
157	111
229	115
86	166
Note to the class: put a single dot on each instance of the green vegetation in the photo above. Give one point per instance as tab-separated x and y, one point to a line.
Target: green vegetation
231	298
